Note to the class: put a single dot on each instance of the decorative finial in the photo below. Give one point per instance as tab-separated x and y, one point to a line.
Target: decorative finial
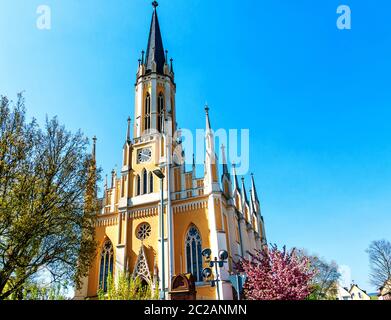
142	56
113	176
155	4
166	55
94	139
128	131
171	65
207	108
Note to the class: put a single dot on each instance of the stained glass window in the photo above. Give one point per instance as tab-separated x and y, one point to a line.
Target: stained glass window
143	231
138	185
193	253
150	182
106	264
145	182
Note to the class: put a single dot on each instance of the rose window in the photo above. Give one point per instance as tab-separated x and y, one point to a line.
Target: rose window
143	231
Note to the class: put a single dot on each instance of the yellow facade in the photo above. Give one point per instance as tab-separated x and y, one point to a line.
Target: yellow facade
358	294
218	212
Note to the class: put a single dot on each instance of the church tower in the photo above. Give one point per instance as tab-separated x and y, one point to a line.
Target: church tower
155	86
156	217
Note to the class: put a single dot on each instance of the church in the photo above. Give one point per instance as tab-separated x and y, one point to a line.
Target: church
155	195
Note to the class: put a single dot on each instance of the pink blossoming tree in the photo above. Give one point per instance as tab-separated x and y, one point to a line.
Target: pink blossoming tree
277	275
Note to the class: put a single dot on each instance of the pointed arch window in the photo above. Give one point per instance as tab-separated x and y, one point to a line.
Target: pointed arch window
147	124
150	182
161	110
193	249
138	185
106	264
145	182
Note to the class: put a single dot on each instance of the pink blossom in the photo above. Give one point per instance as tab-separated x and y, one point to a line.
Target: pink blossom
277	275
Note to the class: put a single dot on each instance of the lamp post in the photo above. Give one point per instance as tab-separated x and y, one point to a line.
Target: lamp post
217	262
160	175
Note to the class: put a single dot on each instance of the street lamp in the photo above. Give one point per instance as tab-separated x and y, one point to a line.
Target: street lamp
161	176
217	262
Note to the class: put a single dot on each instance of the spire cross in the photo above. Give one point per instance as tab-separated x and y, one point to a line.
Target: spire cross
155	4
223	148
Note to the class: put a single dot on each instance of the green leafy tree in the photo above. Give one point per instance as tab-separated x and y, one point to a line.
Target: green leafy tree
34	291
324	284
127	288
47	201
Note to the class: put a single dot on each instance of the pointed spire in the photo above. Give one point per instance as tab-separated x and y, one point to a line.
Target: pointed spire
94	139
155	49
113	176
208	126
106	183
236	183
128	130
224	159
254	195
244	193
251	204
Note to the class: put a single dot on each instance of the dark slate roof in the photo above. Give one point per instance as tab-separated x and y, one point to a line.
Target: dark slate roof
155	49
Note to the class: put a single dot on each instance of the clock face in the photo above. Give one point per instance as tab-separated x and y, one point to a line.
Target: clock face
144	155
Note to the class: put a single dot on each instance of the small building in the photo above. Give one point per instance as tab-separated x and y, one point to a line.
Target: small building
358	294
385	291
343	293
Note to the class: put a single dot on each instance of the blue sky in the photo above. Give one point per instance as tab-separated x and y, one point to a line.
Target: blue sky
316	99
